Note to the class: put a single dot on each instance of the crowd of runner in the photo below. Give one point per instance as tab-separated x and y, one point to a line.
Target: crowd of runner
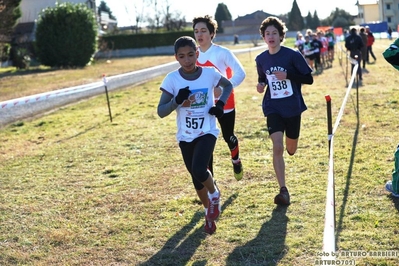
317	48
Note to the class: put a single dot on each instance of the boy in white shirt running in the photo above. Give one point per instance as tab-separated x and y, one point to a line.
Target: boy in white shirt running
226	62
190	91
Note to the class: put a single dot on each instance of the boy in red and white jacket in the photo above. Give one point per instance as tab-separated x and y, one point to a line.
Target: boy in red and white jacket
226	62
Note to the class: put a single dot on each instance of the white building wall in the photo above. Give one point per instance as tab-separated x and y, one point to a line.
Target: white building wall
391	13
31	8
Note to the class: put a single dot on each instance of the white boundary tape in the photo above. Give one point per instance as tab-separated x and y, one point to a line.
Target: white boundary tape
47	95
329	243
118	80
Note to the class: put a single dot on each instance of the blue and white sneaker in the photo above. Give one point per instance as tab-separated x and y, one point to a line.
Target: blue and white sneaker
389	188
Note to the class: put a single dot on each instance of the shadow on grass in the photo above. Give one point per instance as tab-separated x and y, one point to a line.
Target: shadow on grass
268	248
85	131
179	249
77	134
348	176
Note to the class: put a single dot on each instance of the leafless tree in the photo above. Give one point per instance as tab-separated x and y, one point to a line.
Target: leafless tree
139	13
173	20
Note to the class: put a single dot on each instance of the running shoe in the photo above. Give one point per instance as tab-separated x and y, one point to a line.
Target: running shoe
210	226
389	188
238	170
214	208
283	198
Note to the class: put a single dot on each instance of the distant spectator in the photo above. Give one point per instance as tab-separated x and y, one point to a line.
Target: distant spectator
331	43
299	42
316	47
236	39
308	52
363	35
389	33
370	42
298	34
354	44
346	33
324	49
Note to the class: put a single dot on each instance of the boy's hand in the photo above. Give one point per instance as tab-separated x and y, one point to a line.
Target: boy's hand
182	95
217	110
280	75
261	87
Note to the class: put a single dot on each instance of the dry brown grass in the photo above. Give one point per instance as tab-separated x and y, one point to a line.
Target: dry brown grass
38	80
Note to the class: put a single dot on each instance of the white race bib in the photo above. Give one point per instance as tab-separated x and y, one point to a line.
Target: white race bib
279	88
194	119
195	123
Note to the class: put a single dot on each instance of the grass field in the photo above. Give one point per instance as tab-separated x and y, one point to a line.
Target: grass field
79	190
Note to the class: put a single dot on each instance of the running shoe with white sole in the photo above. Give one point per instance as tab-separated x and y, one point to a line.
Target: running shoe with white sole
214	207
210	227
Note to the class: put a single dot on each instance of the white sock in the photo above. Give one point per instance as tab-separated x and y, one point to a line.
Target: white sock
236	161
214	194
206	211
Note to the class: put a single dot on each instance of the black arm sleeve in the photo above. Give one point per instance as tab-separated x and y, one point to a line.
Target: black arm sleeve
304	79
261	74
262	80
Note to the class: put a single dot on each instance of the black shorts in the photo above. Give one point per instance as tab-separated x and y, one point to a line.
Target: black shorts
290	125
310	57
